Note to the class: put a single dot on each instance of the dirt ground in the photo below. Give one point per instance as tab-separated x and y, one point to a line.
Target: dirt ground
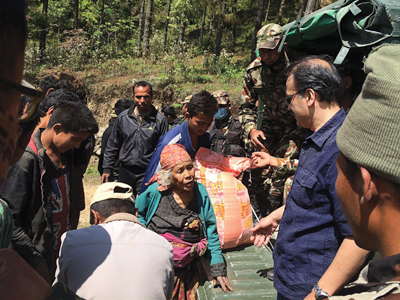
91	182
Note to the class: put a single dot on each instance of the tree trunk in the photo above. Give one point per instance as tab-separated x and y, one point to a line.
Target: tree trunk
266	14
234	26
310	7
317	5
280	13
302	7
140	27
166	25
257	26
43	32
101	21
182	27
147	27
203	22
75	14
220	29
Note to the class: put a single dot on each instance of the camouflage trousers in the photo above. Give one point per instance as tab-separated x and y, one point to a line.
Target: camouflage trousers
268	188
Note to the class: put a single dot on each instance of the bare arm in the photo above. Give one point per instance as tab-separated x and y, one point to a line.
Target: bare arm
347	262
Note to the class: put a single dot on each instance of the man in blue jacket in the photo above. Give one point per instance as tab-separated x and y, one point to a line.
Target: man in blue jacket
191	134
134	137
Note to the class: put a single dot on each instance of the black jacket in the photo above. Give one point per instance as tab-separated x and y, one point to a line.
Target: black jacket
28	187
227	137
104	141
134	144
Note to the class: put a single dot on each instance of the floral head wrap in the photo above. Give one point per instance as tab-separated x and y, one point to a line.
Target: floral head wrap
171	155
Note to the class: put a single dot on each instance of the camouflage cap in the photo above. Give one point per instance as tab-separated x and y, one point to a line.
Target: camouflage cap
186	100
222	97
269	36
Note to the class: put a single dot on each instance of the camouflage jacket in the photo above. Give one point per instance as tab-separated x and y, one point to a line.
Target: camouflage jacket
227	137
269	85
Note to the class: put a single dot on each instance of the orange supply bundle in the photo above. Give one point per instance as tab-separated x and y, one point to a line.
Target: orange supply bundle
228	195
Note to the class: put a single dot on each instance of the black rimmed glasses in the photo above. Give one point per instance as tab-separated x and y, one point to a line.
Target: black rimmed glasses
29	110
289	98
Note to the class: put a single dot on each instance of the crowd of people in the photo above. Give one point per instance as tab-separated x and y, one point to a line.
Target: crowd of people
326	174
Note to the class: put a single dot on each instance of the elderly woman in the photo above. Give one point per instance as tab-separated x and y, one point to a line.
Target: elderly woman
179	209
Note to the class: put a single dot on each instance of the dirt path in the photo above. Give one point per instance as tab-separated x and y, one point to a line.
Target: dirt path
91	182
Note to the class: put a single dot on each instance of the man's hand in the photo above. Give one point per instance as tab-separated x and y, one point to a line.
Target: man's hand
263	159
105	177
223	281
254	134
261	233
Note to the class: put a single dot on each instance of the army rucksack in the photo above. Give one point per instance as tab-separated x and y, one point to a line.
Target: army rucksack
346	29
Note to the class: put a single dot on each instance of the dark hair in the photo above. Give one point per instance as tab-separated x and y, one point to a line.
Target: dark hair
109	207
121	105
75	117
56	99
142	83
324	79
65	80
13	34
169	111
204	103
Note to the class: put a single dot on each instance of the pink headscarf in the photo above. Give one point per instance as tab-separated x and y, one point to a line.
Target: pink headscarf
171	155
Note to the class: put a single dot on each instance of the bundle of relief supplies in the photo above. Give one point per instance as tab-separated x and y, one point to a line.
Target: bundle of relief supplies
228	195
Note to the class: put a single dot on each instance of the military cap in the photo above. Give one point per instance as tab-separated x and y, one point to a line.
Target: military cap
370	133
187	99
222	97
269	36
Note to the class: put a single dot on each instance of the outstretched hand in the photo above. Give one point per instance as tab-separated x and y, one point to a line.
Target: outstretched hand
263	159
223	282
261	233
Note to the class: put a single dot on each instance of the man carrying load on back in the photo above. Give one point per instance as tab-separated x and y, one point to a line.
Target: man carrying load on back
273	127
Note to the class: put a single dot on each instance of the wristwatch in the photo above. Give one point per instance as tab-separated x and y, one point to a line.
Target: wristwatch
320	294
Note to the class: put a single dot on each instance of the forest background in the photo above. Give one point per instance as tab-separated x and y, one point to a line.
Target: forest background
180	46
179	43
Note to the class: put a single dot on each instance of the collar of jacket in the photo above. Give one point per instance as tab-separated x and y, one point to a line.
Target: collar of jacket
123	217
152	115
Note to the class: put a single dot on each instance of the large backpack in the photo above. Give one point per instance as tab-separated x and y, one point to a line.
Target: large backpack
346	28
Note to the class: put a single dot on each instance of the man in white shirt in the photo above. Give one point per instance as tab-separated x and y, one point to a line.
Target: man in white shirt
118	258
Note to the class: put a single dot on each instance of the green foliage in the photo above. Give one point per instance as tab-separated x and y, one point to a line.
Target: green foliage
92	170
106	41
224	66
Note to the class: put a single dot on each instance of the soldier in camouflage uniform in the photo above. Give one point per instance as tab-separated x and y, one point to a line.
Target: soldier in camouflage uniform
275	131
226	131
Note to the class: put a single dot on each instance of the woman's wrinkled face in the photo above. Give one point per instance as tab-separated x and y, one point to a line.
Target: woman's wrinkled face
183	176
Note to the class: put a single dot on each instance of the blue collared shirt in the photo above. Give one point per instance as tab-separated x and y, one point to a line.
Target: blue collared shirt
313	224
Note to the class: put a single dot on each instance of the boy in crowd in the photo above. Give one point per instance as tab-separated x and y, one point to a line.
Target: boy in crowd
170	113
191	134
38	186
81	157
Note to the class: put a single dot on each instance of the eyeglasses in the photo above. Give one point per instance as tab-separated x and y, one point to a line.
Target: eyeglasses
37	96
289	98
